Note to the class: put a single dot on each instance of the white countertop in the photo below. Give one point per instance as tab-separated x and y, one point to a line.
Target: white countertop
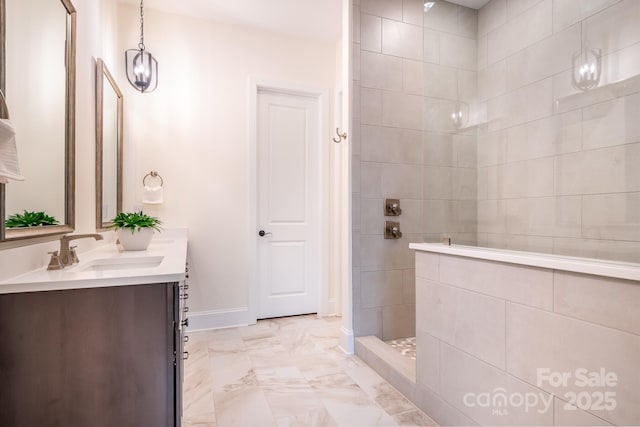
619	270
171	245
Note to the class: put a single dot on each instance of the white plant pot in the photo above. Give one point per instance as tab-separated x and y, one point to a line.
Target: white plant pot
136	241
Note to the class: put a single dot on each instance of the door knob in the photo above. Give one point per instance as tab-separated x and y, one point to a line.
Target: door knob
263	233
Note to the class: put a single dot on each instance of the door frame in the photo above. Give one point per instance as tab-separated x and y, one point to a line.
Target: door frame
322	95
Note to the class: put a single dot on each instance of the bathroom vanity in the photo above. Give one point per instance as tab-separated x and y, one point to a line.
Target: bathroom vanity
97	344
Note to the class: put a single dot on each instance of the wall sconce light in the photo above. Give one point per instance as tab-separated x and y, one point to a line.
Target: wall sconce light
141	66
586	68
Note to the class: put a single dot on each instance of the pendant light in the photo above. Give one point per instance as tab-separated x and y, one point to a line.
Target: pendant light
460	113
586	66
141	66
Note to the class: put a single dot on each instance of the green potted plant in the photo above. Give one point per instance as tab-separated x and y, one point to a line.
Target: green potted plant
135	229
30	219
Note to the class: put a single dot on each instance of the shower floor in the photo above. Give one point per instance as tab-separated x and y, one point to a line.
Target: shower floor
404	346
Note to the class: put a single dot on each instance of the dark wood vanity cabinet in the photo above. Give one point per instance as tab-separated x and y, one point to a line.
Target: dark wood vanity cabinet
97	357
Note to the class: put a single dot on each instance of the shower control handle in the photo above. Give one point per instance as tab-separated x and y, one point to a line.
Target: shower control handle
263	233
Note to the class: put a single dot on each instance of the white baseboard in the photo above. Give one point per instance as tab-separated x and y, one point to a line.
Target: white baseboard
217	319
346	340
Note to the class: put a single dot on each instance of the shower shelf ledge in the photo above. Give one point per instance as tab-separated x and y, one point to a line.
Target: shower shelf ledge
600	94
619	270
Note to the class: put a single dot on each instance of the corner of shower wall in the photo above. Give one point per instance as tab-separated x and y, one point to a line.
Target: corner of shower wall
411	70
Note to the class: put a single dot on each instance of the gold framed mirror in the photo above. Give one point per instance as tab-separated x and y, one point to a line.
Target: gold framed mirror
109	150
38	77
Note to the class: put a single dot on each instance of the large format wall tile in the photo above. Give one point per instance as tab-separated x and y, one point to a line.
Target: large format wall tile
524	30
371	33
443	16
615	27
381	254
525	285
565	414
568	12
546	137
609	123
605	170
492	16
440	410
402	110
439	81
404	40
398	321
467	320
617	250
413	77
539	340
381	288
529	178
464	378
427	265
456	51
428	363
371	110
391	145
391	9
543	59
596	299
382	180
380	71
611	216
545	216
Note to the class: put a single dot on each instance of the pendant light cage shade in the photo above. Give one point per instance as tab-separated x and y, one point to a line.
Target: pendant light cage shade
586	68
142	70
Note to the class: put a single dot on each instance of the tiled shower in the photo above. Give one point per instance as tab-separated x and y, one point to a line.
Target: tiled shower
482	124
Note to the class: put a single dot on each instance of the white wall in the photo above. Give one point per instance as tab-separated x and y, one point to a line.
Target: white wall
194	131
96	30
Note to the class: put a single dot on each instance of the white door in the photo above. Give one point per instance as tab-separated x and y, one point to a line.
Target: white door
289	195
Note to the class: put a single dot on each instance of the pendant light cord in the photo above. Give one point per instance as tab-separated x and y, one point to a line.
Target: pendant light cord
141	44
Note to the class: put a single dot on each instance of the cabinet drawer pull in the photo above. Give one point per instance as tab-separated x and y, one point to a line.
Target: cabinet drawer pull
185	322
184	296
184	287
185	355
185	309
185	338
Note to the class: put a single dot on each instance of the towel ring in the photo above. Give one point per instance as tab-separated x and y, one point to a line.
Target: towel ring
153	174
5	107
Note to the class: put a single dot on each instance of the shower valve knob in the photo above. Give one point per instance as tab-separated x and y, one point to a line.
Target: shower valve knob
392	230
392	207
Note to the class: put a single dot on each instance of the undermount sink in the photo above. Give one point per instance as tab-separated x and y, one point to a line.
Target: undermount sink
110	264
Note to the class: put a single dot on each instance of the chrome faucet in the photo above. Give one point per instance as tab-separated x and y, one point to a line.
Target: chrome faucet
67	255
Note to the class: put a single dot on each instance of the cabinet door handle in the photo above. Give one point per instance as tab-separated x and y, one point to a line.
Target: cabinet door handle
185	309
185	322
184	287
185	338
185	355
184	296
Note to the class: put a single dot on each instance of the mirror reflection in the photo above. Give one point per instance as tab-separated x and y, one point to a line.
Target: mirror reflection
38	81
109	105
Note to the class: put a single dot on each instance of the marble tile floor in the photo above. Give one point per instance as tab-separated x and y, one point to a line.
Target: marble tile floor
405	346
286	372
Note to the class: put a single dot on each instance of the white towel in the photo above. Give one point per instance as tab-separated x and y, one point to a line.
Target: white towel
152	195
9	168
